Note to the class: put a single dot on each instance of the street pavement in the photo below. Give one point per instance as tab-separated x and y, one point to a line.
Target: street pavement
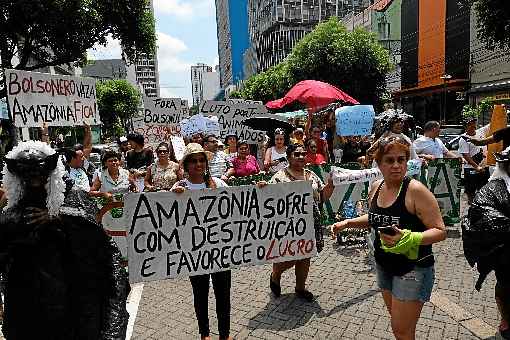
348	304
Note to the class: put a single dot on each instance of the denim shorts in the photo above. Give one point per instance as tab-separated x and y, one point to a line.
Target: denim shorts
413	286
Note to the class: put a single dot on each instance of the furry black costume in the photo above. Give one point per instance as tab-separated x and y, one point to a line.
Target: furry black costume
64	277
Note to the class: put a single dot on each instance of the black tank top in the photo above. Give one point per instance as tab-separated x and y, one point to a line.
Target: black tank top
397	213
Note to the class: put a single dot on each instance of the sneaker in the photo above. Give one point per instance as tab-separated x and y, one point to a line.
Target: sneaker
305	295
275	288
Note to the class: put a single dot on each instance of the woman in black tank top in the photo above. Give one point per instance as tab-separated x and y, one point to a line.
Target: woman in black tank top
401	209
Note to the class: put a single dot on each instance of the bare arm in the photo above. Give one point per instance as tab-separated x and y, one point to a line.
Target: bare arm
94	190
148	179
45	137
482	141
87	141
308	124
327	191
427	210
267	159
470	161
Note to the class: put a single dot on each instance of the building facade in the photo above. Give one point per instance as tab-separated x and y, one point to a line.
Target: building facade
144	70
276	26
383	18
106	69
233	39
205	84
489	72
435	59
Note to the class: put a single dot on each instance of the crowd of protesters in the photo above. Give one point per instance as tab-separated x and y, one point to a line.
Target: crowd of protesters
395	201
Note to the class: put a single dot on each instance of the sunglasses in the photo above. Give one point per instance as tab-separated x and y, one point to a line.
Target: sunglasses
161	151
299	154
197	160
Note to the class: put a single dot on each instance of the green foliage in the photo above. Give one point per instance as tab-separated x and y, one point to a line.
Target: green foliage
53	32
117	101
483	108
493	25
353	61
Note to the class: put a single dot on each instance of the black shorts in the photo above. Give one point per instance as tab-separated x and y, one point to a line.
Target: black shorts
474	181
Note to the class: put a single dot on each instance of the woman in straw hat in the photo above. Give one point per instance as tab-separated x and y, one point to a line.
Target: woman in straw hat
196	167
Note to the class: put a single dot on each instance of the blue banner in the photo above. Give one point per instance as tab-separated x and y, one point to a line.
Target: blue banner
354	120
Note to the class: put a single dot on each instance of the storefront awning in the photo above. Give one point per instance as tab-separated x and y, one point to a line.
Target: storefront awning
451	85
490	86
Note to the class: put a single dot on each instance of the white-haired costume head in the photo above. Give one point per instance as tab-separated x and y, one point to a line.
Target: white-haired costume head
34	155
501	171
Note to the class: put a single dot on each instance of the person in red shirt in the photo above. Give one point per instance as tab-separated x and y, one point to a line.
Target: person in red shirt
314	132
312	157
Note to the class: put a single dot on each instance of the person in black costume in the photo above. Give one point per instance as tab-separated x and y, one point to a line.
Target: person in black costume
486	235
64	274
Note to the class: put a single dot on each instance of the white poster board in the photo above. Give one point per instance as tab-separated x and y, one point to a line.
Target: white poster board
160	119
179	147
231	115
36	98
204	231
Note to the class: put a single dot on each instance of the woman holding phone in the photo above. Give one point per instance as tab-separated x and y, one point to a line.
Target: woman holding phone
407	221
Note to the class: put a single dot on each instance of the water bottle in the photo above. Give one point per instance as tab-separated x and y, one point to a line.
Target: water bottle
349	209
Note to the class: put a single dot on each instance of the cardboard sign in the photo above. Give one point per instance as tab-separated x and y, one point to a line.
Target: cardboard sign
204	231
354	120
57	100
160	119
346	176
230	118
178	146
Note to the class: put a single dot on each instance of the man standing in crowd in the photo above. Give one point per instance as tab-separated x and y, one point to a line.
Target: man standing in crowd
314	132
138	158
123	148
86	149
75	169
220	163
475	174
429	146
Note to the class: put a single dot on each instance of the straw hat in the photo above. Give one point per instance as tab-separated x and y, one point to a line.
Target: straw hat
194	148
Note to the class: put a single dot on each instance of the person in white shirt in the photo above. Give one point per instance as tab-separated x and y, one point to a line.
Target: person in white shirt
476	174
74	161
429	146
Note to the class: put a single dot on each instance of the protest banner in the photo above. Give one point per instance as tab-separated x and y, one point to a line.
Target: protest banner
356	120
230	118
160	119
204	231
441	176
347	176
57	100
245	101
200	124
178	146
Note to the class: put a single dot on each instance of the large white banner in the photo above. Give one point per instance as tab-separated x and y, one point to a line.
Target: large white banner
343	176
57	100
203	231
231	115
160	119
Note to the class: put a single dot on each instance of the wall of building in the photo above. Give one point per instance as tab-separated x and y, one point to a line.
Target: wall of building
224	41
240	39
210	85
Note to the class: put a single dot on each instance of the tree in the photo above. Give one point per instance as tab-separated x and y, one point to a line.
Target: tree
117	101
353	61
493	24
43	33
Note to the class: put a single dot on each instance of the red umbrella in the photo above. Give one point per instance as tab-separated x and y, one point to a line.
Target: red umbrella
313	93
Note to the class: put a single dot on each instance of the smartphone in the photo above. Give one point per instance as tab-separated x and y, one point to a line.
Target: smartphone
387	230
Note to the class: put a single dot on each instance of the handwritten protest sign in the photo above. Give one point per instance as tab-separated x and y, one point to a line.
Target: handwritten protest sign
354	120
178	146
203	231
230	118
57	100
160	119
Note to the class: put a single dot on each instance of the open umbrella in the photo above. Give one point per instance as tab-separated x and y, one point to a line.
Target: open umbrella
314	94
268	124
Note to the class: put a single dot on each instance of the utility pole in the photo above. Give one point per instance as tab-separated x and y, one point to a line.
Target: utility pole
445	78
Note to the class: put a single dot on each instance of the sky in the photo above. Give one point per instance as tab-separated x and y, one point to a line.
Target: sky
186	32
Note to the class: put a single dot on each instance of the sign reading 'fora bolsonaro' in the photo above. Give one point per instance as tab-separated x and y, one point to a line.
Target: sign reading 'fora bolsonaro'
204	231
57	100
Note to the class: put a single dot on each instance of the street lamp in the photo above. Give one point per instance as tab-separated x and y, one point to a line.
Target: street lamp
445	78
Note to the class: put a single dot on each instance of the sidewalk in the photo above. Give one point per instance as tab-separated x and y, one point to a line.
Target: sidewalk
348	304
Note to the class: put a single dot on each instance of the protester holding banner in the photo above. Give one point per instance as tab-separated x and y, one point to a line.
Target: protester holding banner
312	157
113	180
231	142
476	174
196	165
296	171
429	146
138	158
244	164
163	173
220	162
406	219
276	156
